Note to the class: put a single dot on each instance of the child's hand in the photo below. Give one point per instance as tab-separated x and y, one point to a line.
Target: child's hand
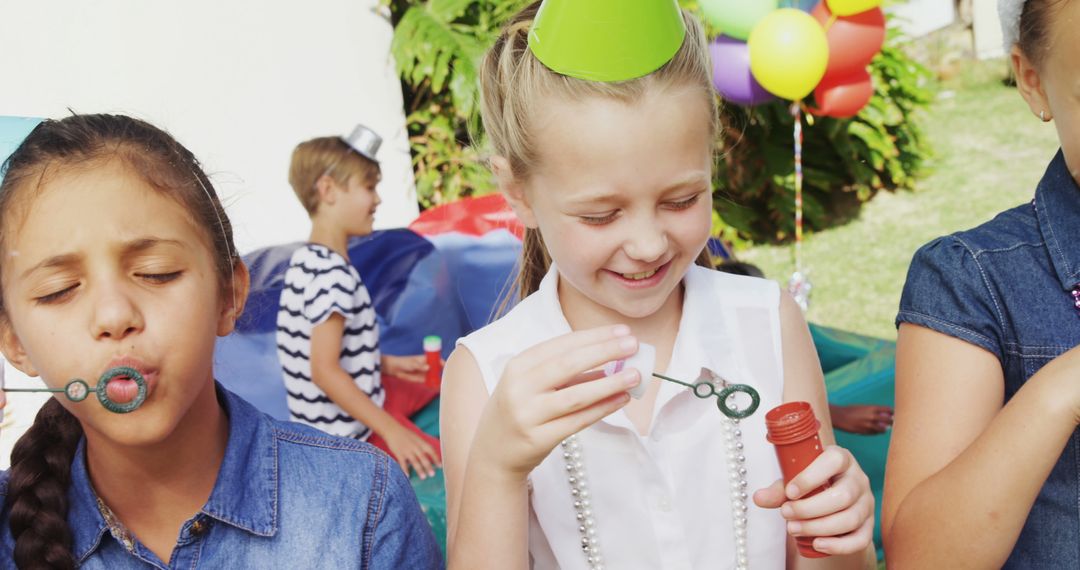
842	515
411	368
409	449
546	395
861	418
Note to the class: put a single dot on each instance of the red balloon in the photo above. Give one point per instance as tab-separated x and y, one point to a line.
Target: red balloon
853	40
843	97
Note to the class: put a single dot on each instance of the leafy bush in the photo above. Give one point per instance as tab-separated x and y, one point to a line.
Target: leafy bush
438	45
845	161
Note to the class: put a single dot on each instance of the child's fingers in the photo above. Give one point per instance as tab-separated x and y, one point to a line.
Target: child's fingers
565	356
771	497
846	492
584	377
849	543
835	521
403	462
423	462
832	462
555	373
585	394
567	425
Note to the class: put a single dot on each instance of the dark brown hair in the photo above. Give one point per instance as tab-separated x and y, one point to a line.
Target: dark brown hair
41	460
1035	23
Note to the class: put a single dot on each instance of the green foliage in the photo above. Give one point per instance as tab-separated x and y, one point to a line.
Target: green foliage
438	45
845	161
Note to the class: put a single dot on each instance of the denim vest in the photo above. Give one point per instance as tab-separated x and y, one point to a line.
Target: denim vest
286	496
1006	286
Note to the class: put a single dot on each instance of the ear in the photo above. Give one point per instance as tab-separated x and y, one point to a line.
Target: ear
513	190
1030	84
13	349
327	189
235	298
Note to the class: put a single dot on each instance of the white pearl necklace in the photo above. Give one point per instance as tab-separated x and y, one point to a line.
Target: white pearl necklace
579	489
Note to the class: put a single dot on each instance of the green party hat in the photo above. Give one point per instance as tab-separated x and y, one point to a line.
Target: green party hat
607	40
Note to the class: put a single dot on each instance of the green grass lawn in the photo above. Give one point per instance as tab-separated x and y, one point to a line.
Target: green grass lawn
989	153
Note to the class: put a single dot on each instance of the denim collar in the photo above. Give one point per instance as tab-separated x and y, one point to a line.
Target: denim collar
1057	208
244	495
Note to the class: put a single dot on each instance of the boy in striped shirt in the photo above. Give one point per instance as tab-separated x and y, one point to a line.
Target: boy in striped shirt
327	335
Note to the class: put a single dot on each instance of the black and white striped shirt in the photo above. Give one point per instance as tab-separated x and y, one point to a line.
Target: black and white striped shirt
319	283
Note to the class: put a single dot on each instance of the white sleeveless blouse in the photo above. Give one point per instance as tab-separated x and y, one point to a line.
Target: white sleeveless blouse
661	500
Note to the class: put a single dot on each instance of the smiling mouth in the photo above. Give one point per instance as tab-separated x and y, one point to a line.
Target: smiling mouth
639	276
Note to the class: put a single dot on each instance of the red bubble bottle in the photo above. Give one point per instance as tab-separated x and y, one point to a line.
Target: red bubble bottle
433	353
792	428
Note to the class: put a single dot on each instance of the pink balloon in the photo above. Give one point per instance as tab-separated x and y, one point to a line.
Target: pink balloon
845	96
853	40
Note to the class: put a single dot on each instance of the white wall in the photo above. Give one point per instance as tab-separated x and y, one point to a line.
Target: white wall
920	17
987	30
239	82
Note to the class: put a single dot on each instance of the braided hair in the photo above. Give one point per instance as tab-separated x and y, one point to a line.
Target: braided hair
40	471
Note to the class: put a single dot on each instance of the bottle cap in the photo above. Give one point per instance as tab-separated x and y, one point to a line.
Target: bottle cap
432	343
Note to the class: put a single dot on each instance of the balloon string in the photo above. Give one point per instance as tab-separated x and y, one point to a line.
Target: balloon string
832	20
796	111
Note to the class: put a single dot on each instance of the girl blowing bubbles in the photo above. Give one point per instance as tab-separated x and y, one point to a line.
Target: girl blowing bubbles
114	251
612	178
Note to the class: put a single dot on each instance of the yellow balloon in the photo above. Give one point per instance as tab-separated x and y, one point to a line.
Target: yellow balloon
788	53
849	7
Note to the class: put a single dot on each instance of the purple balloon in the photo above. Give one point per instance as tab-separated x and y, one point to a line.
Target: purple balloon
805	5
731	72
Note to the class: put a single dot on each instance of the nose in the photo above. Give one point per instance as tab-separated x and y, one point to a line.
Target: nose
646	243
116	315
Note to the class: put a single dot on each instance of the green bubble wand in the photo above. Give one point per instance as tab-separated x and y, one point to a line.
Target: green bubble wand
706	387
77	390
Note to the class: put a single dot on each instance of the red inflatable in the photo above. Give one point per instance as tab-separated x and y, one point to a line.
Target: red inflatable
472	216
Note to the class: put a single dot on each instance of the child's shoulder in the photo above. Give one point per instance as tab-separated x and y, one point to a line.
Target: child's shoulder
318	447
314	256
315	264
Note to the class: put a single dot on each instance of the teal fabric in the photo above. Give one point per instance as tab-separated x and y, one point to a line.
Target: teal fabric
865	375
431	491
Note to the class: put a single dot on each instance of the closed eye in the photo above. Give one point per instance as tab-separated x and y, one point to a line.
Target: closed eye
599	220
56	296
159	277
683	204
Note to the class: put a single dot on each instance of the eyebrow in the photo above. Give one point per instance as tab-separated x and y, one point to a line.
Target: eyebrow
128	248
603	197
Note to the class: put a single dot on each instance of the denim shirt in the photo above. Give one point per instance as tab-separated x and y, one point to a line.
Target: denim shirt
287	496
1006	286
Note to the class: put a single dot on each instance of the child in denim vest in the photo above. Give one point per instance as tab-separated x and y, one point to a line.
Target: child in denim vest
119	268
983	465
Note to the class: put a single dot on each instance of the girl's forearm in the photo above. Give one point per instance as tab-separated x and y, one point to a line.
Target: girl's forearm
971	512
339	386
492	527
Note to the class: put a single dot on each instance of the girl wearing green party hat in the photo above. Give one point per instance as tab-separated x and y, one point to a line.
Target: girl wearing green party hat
602	122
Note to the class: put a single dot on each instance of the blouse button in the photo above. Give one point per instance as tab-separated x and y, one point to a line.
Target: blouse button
199	528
